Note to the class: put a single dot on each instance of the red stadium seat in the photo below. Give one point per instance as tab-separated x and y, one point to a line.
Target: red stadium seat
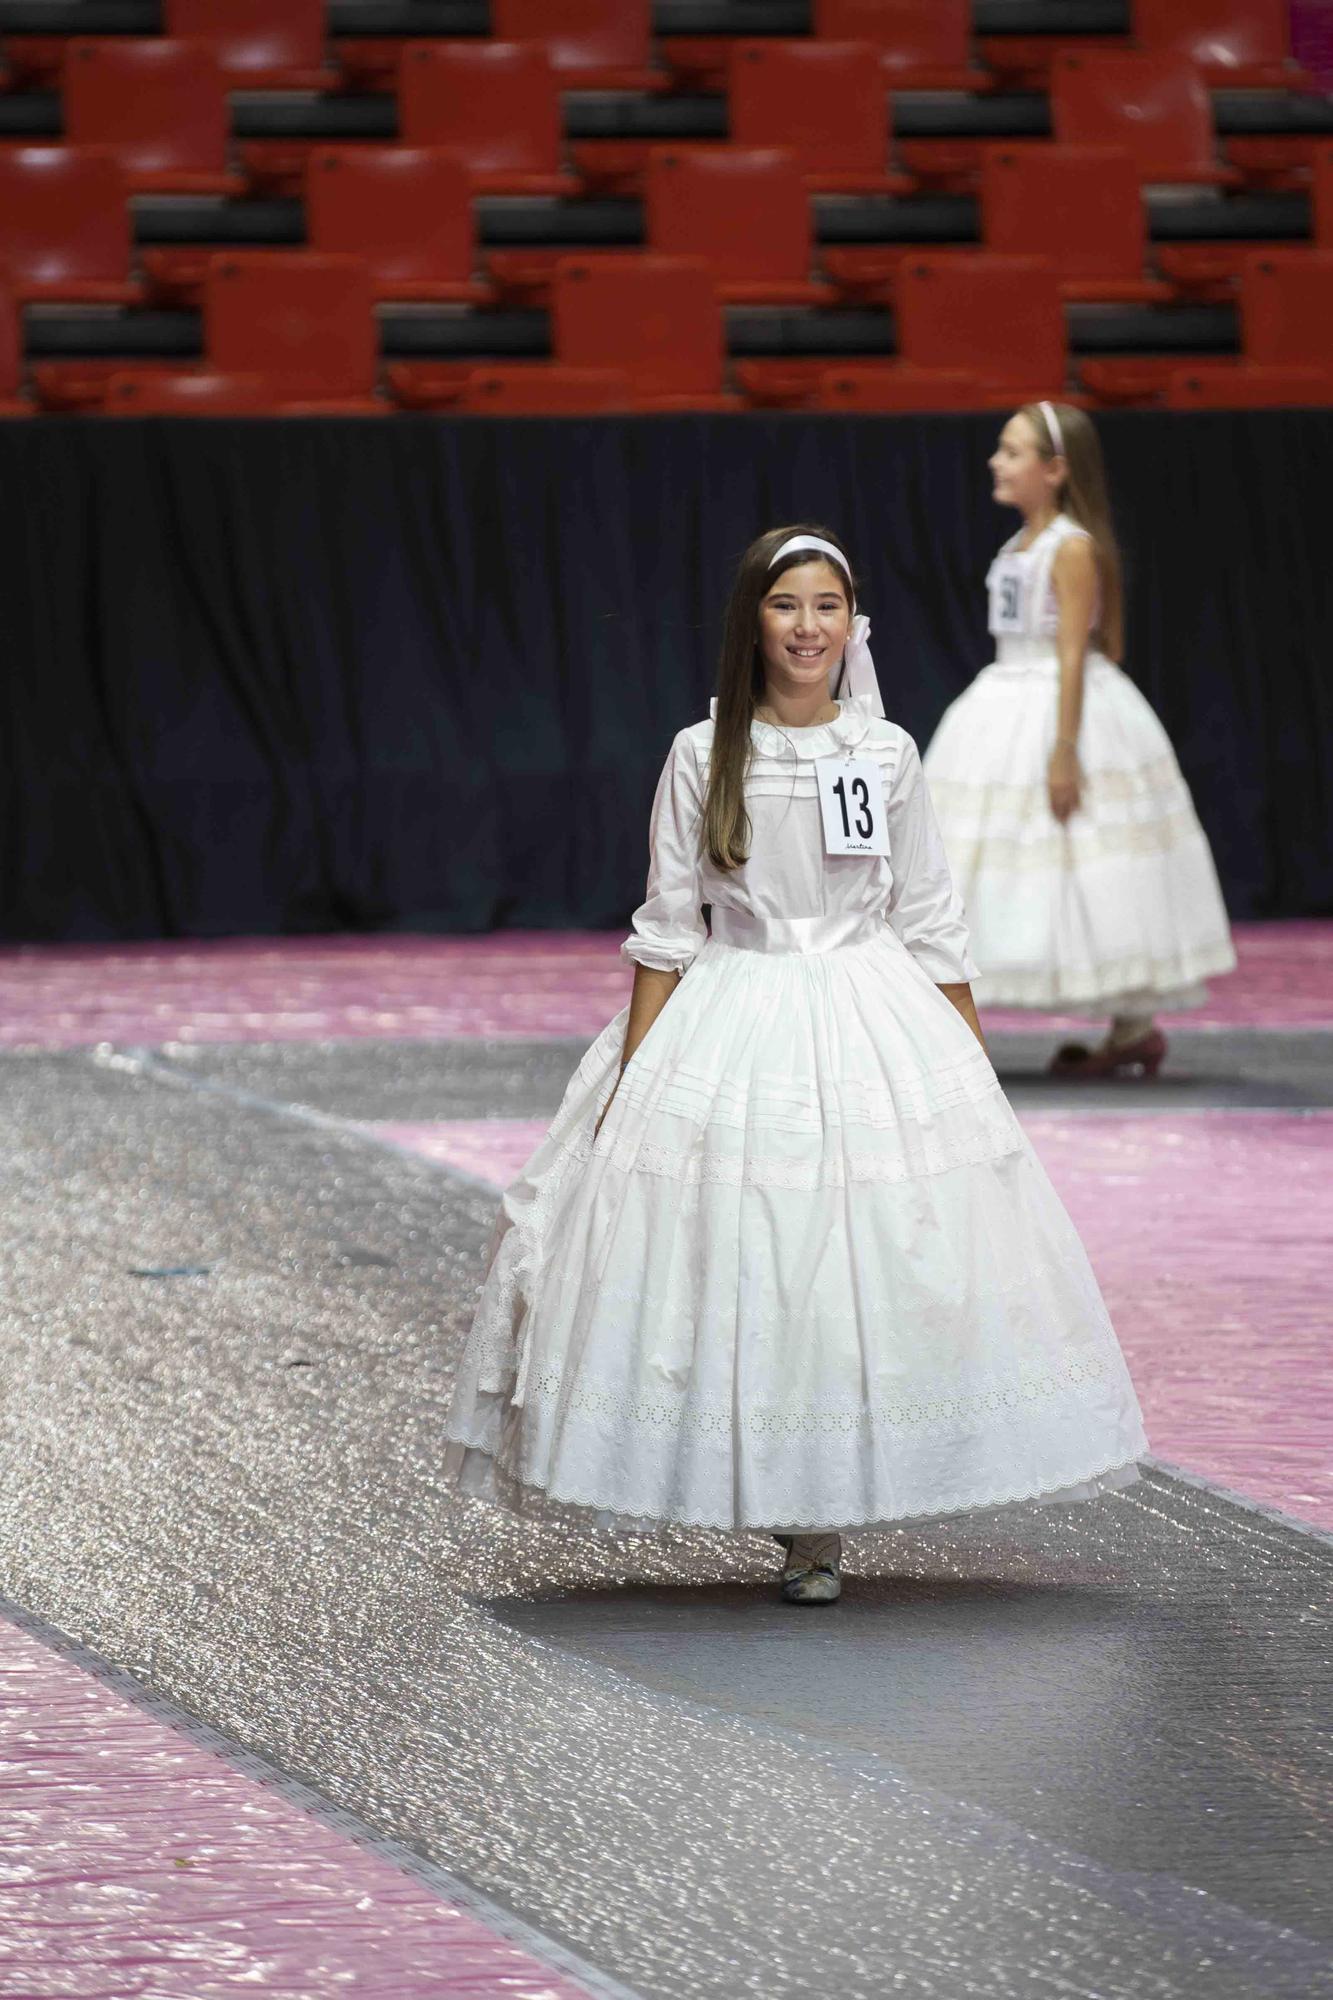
823	101
1277	162
1321	197
1023	62
1135	381
592	44
175	274
998	318
657	318
369	62
1156	108
260	44
73	386
1286	308
1243	387
614	166
524	277
786	382
1208	272
200	392
746	212
429	385
11	357
892	388
699	62
541	390
303	321
406	211
34	62
1234	44
158	108
65	226
277	167
922	44
869	271
974	332
497	103
1081	206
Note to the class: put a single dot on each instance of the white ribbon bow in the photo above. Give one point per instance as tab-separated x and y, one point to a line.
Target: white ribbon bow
859	680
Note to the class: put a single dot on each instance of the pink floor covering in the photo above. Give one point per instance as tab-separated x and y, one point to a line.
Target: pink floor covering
507	983
135	1865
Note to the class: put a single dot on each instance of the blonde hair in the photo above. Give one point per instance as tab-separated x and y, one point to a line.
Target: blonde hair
740	686
1084	497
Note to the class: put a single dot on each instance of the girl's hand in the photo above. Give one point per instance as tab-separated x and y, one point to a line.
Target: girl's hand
652	990
1064	781
609	1102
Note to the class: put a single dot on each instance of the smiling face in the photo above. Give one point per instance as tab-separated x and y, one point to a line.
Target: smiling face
1022	477
803	621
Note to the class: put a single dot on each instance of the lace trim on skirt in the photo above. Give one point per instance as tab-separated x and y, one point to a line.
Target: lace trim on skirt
483	1477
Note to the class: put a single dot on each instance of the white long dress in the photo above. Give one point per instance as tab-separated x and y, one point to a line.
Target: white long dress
810	1272
1118	910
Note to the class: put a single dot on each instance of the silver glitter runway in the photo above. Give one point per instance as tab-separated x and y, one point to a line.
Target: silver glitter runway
1078	1756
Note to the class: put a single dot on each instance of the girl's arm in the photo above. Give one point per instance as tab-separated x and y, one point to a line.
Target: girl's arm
1074	580
652	990
924	908
961	997
668	926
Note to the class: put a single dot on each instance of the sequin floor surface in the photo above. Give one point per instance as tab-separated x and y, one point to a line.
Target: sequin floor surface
280	1713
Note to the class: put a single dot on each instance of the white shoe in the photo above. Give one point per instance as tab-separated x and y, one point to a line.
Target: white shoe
810	1574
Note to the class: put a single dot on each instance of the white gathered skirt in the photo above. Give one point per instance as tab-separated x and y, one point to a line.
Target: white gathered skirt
809	1274
1118	910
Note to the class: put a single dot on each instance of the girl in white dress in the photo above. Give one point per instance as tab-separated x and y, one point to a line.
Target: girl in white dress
785	1259
1088	882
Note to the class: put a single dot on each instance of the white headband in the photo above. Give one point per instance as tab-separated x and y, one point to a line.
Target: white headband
1053	426
813	542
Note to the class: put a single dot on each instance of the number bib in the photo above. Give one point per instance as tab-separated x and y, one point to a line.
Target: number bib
1006	595
851	799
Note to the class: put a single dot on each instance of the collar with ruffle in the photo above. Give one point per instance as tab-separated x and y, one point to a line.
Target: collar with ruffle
849	727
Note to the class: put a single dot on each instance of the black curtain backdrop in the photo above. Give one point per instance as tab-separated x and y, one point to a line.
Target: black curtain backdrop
421	674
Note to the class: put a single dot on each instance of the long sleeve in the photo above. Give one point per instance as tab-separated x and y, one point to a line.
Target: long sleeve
668	925
925	909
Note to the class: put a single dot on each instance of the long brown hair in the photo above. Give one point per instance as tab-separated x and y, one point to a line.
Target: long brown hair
740	686
1084	497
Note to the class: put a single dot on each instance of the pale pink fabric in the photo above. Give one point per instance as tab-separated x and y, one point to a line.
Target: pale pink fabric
135	1863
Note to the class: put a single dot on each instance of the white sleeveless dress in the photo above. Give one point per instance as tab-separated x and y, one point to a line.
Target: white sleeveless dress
1118	910
810	1272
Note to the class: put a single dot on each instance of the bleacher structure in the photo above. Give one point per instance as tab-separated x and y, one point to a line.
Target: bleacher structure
572	206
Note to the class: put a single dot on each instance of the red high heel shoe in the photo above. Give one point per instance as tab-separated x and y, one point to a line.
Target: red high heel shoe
1139	1058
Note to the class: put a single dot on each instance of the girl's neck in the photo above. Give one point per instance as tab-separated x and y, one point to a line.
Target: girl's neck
1037	522
796	711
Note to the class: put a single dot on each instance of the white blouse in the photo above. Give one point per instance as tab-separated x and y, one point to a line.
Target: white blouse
788	873
1024	609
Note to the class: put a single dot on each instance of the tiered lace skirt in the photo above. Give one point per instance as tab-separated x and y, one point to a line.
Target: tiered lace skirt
809	1273
1116	910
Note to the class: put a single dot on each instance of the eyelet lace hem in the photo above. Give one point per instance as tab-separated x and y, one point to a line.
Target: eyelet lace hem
943	1414
1152	785
1110	984
483	1477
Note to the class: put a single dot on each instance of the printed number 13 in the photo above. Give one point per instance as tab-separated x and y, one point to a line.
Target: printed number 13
862	790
